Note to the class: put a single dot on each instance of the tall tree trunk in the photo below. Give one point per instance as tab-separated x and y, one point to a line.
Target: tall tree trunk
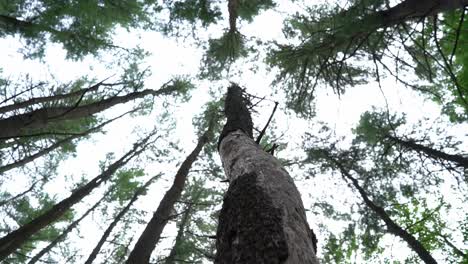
262	219
145	245
392	226
432	153
14	240
15	126
116	220
54	146
65	233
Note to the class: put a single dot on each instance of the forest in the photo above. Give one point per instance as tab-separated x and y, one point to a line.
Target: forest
238	131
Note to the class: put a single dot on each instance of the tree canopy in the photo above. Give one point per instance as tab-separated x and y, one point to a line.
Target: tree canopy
110	110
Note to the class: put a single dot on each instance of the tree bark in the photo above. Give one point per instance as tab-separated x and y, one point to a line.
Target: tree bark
392	226
262	219
16	125
145	245
14	240
116	220
432	153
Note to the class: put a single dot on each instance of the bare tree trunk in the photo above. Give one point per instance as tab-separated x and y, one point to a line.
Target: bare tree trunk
392	226
16	125
432	153
116	220
14	240
44	99
145	245
262	219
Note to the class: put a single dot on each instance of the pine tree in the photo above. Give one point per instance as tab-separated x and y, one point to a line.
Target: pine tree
263	219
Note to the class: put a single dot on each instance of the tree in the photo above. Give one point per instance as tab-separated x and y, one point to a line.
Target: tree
14	240
392	226
64	234
399	173
397	188
374	129
334	41
262	219
92	256
194	240
82	27
16	126
146	243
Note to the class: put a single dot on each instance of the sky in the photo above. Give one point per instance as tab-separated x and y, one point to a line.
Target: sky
170	57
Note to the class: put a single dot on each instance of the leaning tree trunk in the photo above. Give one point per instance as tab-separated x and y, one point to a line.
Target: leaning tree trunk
146	243
262	219
116	220
18	125
15	239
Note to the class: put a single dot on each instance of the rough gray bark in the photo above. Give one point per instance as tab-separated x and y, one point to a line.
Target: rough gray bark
146	243
14	240
262	219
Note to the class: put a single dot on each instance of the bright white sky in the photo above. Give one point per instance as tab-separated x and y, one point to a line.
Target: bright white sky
171	58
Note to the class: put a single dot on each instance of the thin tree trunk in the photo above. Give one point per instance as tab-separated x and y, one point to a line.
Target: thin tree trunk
180	234
65	233
54	146
145	245
14	240
393	227
116	220
44	99
433	153
262	219
4	202
15	126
